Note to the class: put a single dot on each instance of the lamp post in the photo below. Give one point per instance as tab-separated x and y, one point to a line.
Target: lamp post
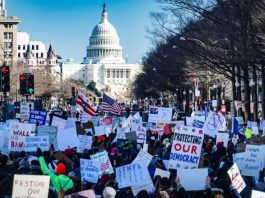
237	84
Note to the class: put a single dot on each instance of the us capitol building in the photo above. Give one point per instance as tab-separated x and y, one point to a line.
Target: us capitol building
104	63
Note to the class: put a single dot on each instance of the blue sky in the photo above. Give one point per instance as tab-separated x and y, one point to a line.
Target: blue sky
68	23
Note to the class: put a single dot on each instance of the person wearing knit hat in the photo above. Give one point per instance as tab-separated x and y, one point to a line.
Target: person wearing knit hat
60	181
109	192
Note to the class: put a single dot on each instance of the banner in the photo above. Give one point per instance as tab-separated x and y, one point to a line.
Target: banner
51	132
38	116
193	179
160	115
214	123
89	170
85	142
132	175
32	143
186	148
105	165
144	157
236	178
31	186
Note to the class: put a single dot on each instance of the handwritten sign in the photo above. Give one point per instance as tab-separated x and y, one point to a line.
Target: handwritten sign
32	143
89	170
149	187
143	157
126	146
186	148
85	142
105	165
257	194
141	134
51	132
162	173
38	116
31	186
214	122
60	123
69	142
236	178
25	109
131	175
239	159
160	114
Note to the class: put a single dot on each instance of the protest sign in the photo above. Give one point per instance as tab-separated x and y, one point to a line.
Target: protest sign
160	114
58	122
186	148
95	120
132	175
236	178
165	162
51	132
25	109
85	142
189	121
82	194
105	165
198	121
238	123
127	122
257	194
4	139
193	179
100	130
32	143
149	187
121	133
141	134
89	170
145	147
222	137
131	135
239	159
115	123
106	121
262	125
162	173
214	122
69	142
143	157
253	161
126	146
251	124
136	121
37	116
156	129
255	130
70	123
31	186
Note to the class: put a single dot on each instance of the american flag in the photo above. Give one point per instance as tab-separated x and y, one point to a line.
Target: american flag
110	105
85	104
104	166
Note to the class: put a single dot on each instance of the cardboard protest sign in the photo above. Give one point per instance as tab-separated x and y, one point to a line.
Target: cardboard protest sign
251	124
69	142
214	122
106	121
51	132
25	109
136	121
132	175
89	170
162	173
193	179
239	159
189	121
253	161
32	143
131	135
141	134
222	137
236	178
257	194
31	186
126	146
62	157
37	116
70	123
58	122
100	130
4	139
82	194
143	157
198	121
85	142
160	114
186	148
105	164
155	129
149	187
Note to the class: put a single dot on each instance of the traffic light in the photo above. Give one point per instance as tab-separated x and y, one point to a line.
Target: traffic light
5	79
23	84
31	84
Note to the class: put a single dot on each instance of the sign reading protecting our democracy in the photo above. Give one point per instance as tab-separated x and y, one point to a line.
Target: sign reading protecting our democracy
32	143
236	178
30	186
214	122
38	116
89	170
51	132
85	142
160	114
253	160
105	164
132	175
186	148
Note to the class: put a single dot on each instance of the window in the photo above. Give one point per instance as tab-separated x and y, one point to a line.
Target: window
127	73
113	73
37	47
24	47
121	71
41	55
18	55
117	74
32	47
19	47
37	55
108	73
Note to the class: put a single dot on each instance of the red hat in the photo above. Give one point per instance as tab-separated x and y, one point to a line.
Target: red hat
101	138
60	169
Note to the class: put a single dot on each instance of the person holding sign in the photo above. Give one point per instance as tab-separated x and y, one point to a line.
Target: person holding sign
61	182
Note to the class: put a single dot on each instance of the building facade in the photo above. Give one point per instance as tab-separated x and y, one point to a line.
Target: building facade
103	62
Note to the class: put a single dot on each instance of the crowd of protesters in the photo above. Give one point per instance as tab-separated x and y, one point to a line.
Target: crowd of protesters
66	178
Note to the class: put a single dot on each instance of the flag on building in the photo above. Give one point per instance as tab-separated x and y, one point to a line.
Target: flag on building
85	104
110	105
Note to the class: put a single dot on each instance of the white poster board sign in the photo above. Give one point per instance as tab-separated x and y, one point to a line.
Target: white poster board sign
59	123
32	143
160	114
132	175
141	135
193	179
85	142
149	187
67	139
31	186
162	173
222	137
105	164
236	178
51	132
143	157
89	170
214	122
186	148
239	159
257	194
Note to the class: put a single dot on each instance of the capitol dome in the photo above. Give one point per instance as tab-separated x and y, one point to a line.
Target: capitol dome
104	43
